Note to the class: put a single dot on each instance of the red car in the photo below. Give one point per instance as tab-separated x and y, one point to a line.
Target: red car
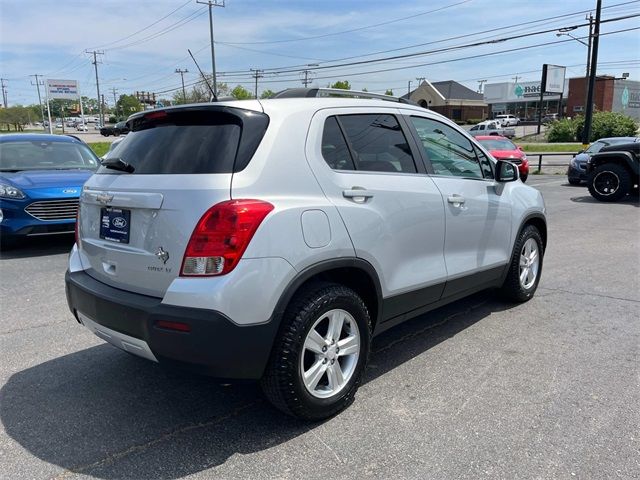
504	149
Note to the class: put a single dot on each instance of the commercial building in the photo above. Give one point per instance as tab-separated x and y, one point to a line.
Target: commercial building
610	95
522	99
451	99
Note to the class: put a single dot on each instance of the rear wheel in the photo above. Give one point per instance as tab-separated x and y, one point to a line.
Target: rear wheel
609	182
318	360
526	266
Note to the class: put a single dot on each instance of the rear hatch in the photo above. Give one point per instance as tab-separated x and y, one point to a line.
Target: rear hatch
137	216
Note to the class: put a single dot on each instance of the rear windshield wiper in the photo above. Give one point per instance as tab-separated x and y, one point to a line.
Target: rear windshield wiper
116	163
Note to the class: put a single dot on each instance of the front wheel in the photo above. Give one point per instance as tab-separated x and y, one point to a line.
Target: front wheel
322	350
609	182
524	177
526	266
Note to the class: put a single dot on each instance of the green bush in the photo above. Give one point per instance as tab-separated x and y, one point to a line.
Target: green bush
605	124
473	121
563	130
113	119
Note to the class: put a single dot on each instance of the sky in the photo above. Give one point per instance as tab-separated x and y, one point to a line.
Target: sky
145	41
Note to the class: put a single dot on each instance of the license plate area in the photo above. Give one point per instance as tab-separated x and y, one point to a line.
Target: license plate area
115	224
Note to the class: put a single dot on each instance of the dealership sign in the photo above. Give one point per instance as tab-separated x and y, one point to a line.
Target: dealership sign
63	89
553	78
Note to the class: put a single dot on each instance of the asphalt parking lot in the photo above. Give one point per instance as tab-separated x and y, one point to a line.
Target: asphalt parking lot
547	389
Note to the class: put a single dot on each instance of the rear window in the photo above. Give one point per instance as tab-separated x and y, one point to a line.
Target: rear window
191	141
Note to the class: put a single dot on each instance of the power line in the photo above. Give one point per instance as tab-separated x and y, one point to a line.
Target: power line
352	29
256	75
184	92
211	4
95	62
145	28
38	83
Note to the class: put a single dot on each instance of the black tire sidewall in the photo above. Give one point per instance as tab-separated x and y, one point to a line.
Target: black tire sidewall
624	180
362	320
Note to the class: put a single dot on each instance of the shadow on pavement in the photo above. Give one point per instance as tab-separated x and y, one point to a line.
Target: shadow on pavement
628	200
39	246
104	413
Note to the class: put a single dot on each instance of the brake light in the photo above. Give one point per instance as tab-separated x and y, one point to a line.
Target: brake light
156	114
221	237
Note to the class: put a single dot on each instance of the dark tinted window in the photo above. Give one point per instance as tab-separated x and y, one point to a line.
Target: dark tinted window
44	155
485	164
334	147
191	141
377	143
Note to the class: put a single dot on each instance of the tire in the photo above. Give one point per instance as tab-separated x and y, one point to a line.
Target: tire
514	288
574	181
283	383
524	177
609	182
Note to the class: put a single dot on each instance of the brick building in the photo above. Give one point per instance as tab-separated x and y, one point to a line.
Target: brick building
451	99
610	95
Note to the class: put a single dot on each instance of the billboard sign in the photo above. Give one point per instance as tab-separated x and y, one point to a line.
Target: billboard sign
553	78
63	89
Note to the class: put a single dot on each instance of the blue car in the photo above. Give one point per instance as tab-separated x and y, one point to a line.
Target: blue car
41	178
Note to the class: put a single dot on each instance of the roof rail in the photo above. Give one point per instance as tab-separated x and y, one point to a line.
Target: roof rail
337	92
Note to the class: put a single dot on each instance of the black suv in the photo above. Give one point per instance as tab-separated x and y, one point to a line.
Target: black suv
118	129
614	172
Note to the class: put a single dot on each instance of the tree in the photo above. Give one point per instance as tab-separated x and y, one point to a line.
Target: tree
90	106
200	92
16	116
126	105
241	93
267	94
342	84
389	92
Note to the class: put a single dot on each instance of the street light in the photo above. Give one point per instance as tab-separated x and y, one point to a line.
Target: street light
565	31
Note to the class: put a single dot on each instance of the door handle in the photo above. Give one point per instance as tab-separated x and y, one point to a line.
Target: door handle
357	194
456	200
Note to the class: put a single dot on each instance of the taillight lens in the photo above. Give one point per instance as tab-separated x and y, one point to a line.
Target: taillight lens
221	237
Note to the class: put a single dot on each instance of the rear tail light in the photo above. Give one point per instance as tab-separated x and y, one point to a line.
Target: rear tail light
221	237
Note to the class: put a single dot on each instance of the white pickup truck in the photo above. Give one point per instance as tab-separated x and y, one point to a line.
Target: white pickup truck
492	127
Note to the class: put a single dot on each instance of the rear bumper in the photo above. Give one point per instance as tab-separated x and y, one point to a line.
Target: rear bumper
214	345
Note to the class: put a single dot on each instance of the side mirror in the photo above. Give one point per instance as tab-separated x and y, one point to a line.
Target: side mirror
520	148
506	171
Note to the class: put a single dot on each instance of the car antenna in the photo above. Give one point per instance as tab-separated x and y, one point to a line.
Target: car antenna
213	94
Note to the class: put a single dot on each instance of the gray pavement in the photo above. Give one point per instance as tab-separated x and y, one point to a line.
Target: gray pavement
547	389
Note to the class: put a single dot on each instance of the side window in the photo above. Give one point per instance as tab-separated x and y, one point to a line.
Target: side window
334	147
449	152
474	128
377	143
485	164
481	127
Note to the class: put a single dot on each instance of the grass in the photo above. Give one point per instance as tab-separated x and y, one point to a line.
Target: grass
99	148
551	147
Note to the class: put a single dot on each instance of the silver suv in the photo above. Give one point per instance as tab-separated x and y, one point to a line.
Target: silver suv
271	240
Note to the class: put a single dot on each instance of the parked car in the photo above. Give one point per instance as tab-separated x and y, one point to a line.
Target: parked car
577	171
41	178
550	118
82	128
59	125
504	149
112	147
614	172
508	120
492	127
298	229
119	128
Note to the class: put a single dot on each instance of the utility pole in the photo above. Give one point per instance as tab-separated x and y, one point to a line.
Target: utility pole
593	67
95	62
409	89
184	92
38	83
257	74
308	74
515	79
212	3
114	91
4	92
480	83
588	72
